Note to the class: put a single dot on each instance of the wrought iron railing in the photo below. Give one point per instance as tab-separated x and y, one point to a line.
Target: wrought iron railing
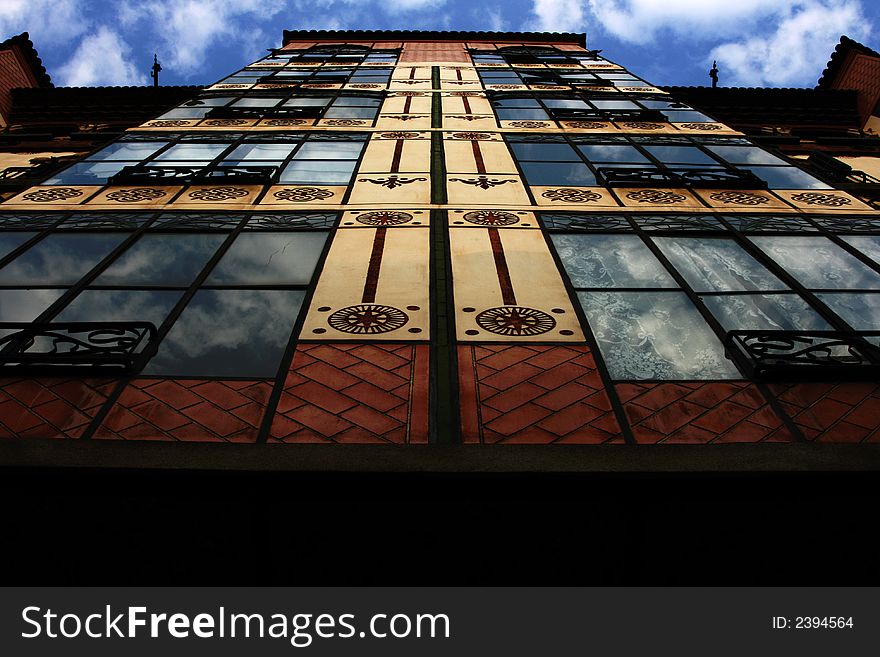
679	177
123	347
142	174
805	354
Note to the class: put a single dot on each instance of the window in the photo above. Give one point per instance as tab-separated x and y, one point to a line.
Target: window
224	290
622	160
306	158
661	292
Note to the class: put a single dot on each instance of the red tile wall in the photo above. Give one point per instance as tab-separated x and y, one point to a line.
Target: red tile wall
833	412
533	394
355	393
698	413
50	407
188	410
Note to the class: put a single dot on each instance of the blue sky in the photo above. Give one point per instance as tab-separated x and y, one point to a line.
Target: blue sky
756	42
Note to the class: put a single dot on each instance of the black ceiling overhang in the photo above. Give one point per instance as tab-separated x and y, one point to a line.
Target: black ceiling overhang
430	35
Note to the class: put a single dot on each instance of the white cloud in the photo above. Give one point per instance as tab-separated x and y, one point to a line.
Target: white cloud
797	51
101	58
557	16
45	20
188	28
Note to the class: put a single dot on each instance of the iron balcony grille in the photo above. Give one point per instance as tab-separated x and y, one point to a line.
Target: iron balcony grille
678	177
121	347
142	174
805	354
264	113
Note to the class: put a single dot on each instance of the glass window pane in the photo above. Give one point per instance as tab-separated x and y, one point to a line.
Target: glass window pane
545	152
521	114
614	104
269	259
786	178
337	112
611	153
818	263
121	306
327	172
861	311
11	241
59	259
517	102
192	151
654	335
566	103
88	173
307	102
679	154
130	150
259	151
25	305
330	150
610	261
256	102
867	244
765	312
241	333
162	259
746	155
717	265
357	101
558	173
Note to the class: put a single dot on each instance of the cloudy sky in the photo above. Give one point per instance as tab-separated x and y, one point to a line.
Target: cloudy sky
756	42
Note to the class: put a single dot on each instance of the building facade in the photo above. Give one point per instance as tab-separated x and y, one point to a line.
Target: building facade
423	238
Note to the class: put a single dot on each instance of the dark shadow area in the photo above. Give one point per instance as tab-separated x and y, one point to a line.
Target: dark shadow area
159	528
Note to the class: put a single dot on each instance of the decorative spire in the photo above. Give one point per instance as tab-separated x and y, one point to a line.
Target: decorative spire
713	73
155	71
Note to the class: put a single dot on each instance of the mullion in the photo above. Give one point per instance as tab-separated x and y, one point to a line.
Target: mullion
24	246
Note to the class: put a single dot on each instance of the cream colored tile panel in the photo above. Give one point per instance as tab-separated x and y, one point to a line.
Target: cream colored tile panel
582	198
645	128
825	201
398	104
409	85
480	310
589	126
741	199
455	104
170	123
134	197
528	126
481	190
344	123
52	196
657	198
462	158
469	122
405	72
403	218
479	218
228	123
211	196
415	155
394	189
404	121
402	298
296	196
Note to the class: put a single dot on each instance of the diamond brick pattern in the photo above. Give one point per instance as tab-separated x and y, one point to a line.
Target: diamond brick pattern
700	413
50	407
354	393
833	412
533	394
188	410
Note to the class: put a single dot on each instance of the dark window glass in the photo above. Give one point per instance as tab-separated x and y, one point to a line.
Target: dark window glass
861	311
764	312
59	259
558	173
162	259
679	154
268	258
612	153
239	333
867	244
544	152
11	241
786	177
121	306
25	305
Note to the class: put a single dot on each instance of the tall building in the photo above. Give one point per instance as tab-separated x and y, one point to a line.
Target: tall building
440	238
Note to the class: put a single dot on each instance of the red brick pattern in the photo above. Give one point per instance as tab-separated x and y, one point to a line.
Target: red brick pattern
355	393
699	413
533	394
833	412
50	407
861	72
191	410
